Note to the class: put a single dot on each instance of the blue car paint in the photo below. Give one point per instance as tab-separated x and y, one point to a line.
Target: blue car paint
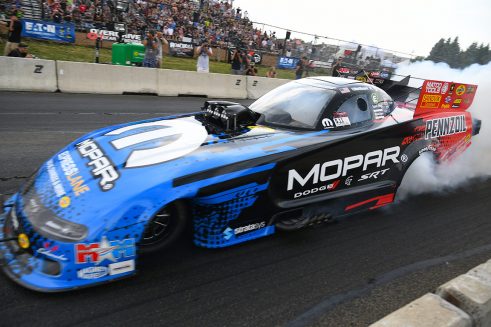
122	212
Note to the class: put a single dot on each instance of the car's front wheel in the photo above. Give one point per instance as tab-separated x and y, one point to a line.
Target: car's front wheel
164	227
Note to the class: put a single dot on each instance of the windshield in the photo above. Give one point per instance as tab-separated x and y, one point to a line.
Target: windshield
293	104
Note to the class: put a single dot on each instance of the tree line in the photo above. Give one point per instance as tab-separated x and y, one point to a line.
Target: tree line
449	51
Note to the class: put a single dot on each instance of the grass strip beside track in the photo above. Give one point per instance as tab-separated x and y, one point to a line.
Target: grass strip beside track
69	52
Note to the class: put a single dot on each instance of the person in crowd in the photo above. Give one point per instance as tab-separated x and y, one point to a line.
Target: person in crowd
336	66
271	72
21	51
15	30
151	50
161	41
236	62
57	17
245	61
309	67
204	52
300	68
251	70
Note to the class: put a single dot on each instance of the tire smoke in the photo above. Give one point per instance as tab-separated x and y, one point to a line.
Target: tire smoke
424	175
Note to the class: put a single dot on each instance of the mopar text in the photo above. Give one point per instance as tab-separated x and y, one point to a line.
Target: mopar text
101	166
329	170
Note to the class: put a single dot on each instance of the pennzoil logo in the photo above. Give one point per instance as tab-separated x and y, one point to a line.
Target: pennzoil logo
445	126
101	166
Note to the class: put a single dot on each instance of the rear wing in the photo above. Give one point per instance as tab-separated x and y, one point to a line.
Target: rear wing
440	95
432	96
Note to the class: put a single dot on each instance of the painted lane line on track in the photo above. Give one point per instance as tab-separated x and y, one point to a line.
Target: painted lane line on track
310	316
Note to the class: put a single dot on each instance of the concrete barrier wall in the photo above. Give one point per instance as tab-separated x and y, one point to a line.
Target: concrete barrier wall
20	74
78	77
259	86
464	301
175	82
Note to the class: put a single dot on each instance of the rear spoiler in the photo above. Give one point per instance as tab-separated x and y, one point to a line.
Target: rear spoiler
433	95
449	96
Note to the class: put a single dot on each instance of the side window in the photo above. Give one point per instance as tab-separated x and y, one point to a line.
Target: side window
382	104
355	111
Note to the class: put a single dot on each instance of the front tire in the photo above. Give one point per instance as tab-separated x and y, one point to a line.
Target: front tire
164	228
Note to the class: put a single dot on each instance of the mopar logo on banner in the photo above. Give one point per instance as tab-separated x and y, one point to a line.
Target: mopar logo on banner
48	30
287	62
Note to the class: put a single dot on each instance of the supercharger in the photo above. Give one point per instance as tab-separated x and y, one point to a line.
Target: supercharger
332	169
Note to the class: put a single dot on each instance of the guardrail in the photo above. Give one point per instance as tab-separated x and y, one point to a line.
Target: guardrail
19	74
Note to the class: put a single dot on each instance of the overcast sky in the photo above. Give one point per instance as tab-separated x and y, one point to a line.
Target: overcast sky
408	26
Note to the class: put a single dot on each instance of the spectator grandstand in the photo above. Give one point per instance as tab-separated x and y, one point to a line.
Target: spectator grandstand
216	22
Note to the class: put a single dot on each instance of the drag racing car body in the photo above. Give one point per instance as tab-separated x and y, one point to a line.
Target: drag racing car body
310	150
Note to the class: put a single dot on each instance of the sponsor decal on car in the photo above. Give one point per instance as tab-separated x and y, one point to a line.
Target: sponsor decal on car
329	187
445	126
121	267
101	166
456	103
434	87
51	252
65	202
229	232
374	98
344	90
72	173
55	179
333	169
104	250
460	89
373	175
327	123
341	119
430	101
92	272
186	137
427	148
112	269
445	88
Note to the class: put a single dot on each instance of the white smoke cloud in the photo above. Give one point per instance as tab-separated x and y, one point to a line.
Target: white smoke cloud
424	175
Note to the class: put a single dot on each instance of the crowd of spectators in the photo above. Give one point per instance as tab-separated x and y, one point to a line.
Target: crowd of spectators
216	22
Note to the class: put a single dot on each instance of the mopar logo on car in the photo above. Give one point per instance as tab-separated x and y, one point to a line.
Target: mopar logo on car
333	169
101	166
